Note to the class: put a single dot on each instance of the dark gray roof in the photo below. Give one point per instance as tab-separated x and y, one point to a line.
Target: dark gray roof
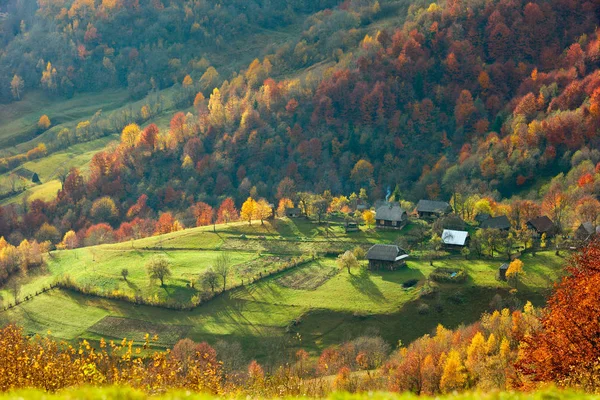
542	224
292	210
500	222
433	206
390	212
588	227
482	217
385	252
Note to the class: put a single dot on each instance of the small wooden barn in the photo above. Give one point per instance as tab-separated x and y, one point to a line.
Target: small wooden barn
386	256
502	271
292	212
585	231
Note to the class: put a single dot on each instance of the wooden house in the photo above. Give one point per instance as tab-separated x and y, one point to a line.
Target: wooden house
502	223
542	225
585	231
390	215
432	209
386	256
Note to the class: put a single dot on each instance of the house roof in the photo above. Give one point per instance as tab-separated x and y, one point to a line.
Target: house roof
390	212
504	266
588	227
482	217
292	210
457	238
542	224
433	206
500	222
386	252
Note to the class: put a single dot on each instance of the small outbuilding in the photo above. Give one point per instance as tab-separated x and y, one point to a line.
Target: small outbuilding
542	225
432	209
585	231
292	212
390	215
351	226
455	239
502	223
386	256
502	271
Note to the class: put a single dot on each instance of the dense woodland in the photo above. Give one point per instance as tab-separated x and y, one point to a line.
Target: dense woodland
487	100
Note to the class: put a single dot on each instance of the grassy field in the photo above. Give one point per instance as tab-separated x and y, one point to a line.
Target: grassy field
312	306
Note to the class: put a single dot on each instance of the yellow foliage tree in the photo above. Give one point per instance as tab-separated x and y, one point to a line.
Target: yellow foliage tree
453	375
514	269
263	210
369	217
249	210
69	241
187	81
130	135
44	122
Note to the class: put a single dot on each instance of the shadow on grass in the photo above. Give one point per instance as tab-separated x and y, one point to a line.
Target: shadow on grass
363	283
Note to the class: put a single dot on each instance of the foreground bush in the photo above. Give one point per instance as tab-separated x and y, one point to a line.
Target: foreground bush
126	393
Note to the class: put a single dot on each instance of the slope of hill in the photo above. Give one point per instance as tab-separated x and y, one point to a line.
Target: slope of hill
315	301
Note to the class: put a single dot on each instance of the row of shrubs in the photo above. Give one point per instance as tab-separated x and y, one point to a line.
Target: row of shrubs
29	297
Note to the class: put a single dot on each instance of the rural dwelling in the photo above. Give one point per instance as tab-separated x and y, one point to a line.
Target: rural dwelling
390	215
455	239
482	217
351	226
292	212
502	271
585	231
500	222
432	209
541	225
386	256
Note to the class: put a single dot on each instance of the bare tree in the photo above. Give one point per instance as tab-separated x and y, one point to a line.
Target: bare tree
15	288
223	267
210	279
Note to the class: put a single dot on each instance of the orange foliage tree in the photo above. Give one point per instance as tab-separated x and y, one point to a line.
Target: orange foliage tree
567	348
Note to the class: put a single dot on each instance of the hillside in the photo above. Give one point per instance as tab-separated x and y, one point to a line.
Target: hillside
315	300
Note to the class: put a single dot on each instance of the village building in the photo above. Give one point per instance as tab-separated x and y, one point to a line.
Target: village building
455	239
502	223
351	226
542	225
585	231
386	256
390	215
502	271
480	217
432	209
292	212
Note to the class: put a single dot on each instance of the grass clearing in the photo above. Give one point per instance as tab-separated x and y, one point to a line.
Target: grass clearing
119	328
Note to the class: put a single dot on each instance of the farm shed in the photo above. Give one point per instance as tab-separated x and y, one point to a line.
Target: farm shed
386	256
292	212
502	271
585	231
351	226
